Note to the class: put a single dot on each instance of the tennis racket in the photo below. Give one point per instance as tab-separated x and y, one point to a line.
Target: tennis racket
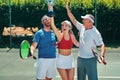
25	50
97	56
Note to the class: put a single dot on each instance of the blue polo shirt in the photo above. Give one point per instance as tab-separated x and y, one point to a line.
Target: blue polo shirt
46	43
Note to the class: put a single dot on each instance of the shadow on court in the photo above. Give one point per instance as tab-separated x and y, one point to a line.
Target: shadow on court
14	68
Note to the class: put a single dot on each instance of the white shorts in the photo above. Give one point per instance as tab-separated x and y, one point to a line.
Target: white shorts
46	68
65	62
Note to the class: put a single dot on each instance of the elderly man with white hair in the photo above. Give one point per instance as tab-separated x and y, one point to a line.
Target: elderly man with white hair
89	38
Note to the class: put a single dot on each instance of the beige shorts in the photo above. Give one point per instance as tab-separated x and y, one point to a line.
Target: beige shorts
65	62
46	68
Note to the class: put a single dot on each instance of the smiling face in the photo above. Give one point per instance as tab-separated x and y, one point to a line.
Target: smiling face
46	21
87	23
66	26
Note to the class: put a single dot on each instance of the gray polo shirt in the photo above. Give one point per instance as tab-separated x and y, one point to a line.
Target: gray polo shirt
89	39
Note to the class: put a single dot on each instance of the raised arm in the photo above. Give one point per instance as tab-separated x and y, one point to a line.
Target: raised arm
71	16
56	31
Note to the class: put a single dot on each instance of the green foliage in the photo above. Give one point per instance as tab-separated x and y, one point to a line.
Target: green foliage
74	3
110	3
29	12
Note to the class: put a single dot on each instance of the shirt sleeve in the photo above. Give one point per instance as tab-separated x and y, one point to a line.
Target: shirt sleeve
36	37
79	26
98	38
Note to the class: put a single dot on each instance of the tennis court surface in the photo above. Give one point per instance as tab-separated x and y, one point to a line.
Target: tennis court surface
14	68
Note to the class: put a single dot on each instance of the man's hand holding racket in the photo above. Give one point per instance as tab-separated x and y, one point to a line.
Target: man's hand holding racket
103	60
99	58
31	52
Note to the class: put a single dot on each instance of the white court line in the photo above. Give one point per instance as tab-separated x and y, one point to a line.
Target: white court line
114	77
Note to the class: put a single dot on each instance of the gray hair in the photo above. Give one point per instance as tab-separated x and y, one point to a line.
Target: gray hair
44	17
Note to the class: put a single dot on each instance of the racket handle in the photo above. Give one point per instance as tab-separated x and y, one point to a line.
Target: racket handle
104	62
34	57
30	54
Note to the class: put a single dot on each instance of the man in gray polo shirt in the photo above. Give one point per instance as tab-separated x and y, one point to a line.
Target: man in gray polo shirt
89	38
